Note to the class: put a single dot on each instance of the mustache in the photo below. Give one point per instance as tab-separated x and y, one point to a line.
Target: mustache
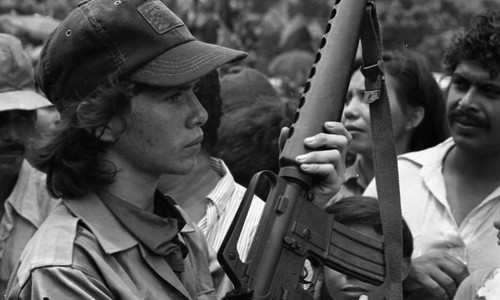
13	148
467	116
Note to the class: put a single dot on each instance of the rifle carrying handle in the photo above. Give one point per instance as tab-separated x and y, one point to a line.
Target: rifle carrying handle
228	255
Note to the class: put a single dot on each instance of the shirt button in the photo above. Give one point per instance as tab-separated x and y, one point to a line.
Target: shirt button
472	220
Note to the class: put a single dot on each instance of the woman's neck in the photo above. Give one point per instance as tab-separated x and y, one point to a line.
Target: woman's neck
182	187
366	166
137	190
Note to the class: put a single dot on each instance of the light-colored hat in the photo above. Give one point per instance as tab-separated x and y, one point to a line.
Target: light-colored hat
17	85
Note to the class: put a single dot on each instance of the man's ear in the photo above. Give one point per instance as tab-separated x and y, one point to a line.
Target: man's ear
112	131
415	117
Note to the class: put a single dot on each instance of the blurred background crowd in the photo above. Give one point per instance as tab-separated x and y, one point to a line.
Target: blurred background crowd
269	28
255	26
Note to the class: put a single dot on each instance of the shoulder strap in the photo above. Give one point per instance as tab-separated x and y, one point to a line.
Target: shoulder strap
384	152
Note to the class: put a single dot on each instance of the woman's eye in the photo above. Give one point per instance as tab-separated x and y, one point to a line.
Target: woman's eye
348	98
174	97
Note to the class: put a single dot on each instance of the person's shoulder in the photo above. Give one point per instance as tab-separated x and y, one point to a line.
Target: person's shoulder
34	176
426	155
412	161
257	205
227	185
481	284
30	197
52	245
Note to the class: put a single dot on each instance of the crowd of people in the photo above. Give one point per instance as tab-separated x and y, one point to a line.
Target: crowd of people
124	159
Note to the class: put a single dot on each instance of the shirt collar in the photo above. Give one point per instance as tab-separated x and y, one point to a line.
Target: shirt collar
30	195
155	230
354	173
96	216
431	162
224	188
432	158
111	235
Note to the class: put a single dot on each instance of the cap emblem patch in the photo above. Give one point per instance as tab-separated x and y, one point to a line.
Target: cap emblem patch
159	16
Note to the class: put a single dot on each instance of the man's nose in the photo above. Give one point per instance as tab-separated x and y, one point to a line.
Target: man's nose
9	132
469	98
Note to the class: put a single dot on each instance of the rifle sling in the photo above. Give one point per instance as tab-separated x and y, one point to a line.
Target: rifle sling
384	153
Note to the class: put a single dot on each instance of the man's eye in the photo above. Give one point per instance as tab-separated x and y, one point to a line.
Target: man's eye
492	91
459	84
22	119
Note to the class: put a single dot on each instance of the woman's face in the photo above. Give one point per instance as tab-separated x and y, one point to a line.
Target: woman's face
356	116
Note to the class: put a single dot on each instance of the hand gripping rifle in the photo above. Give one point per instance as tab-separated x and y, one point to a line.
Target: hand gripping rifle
293	229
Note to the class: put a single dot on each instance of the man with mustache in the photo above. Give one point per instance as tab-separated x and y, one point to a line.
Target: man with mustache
450	193
24	202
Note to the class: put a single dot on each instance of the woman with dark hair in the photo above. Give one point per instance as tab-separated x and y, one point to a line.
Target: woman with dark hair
70	156
417	111
415	89
114	235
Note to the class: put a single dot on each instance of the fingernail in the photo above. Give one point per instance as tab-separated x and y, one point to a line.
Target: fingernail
305	167
308	140
300	158
330	124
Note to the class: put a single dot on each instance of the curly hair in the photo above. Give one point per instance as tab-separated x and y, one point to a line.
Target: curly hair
71	154
480	42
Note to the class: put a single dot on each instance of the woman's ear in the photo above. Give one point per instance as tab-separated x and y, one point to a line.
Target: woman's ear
112	131
415	117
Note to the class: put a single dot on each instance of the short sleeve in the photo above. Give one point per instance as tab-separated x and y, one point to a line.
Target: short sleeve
56	283
481	284
467	290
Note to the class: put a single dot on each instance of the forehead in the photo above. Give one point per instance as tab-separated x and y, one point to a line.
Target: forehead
165	91
357	80
473	71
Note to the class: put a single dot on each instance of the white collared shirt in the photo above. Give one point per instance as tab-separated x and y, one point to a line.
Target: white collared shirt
223	202
427	212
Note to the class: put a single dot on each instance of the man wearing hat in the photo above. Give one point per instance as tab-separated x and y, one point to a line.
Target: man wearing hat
121	74
24	201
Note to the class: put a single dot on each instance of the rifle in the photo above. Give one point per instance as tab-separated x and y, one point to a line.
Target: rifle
293	229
